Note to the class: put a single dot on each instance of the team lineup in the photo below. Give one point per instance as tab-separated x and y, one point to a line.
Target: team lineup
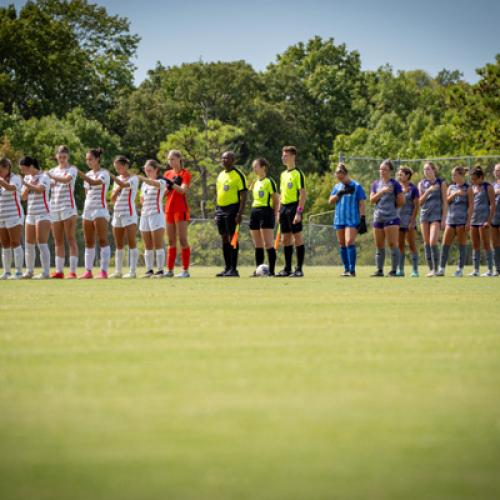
459	210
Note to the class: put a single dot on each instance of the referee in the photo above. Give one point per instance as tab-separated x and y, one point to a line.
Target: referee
232	189
292	201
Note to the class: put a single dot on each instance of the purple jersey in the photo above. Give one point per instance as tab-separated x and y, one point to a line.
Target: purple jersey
385	208
458	207
431	209
481	211
496	218
406	211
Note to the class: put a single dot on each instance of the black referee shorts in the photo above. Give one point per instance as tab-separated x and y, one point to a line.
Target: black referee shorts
225	219
262	218
287	213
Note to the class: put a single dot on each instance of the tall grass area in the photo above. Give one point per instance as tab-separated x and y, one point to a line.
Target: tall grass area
313	388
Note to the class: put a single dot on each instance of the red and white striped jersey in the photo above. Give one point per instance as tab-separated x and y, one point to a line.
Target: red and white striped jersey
152	198
63	195
95	197
38	203
125	202
10	201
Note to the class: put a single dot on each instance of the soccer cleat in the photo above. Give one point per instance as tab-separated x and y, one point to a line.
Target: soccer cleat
474	274
414	274
222	274
129	276
159	274
5	276
87	275
232	273
284	273
298	273
392	274
377	274
400	274
149	274
458	273
72	276
488	274
184	274
116	276
17	276
346	274
27	275
103	275
497	273
169	274
41	276
440	272
57	275
353	274
431	274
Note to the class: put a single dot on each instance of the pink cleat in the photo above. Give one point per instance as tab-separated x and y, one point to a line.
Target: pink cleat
87	275
103	275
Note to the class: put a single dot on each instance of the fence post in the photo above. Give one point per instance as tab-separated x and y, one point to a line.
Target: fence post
341	157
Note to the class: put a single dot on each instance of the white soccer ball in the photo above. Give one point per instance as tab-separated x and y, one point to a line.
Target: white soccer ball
262	270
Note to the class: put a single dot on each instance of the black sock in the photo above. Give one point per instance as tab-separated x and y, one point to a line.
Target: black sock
301	250
227	249
288	251
271	256
234	257
259	256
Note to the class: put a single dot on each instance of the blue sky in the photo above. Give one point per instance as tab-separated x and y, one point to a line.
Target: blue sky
424	34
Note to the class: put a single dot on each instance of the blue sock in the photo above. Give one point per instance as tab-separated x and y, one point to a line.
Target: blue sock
351	256
344	257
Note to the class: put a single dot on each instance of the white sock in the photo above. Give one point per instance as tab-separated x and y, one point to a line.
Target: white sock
149	259
89	258
59	264
73	263
19	258
160	259
7	259
30	257
133	258
105	256
44	257
118	260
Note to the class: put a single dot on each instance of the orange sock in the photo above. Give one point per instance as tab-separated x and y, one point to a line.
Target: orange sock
172	254
186	256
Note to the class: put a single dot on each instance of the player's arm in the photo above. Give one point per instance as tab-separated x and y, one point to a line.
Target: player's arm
451	195
424	194
375	196
180	186
89	180
120	183
62	179
35	188
7	186
276	204
470	206
243	199
444	189
151	182
400	200
416	206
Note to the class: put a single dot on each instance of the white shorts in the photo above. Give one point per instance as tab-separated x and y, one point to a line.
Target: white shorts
152	222
33	219
11	222
100	213
123	220
63	214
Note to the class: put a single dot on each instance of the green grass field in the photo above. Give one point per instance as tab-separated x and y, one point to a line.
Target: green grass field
318	388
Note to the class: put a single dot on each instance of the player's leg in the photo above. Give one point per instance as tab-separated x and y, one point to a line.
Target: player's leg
286	240
6	253
15	234
258	244
401	243
101	231
379	239
172	246
392	237
425	229
343	250
350	241
448	237
133	252
158	240
495	241
119	237
300	248
267	235
89	237
29	249
434	231
58	235
476	250
70	233
42	238
461	235
149	253
485	236
182	233
411	238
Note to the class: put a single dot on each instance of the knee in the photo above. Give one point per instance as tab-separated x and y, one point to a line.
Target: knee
103	242
184	242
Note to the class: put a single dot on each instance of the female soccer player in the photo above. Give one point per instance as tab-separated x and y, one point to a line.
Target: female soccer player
152	223
433	209
482	217
177	213
349	219
408	215
387	196
495	226
264	213
460	202
11	220
95	214
124	216
63	212
36	189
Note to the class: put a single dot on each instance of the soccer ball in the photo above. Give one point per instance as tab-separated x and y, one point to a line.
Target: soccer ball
262	270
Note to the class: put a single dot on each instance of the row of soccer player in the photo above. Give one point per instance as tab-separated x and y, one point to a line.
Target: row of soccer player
397	203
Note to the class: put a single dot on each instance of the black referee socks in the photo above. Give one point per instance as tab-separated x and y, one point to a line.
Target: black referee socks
301	250
259	256
288	251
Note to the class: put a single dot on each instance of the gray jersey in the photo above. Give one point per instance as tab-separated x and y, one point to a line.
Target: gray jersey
406	211
431	209
481	211
385	208
496	218
457	208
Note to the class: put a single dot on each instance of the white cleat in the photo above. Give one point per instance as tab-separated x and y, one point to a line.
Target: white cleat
41	276
488	274
27	275
184	274
431	274
5	276
169	274
129	276
474	274
440	272
116	276
459	273
17	276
